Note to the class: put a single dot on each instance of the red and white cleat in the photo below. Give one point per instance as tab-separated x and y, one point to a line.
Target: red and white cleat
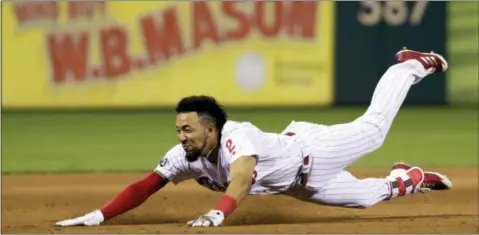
417	177
405	182
431	61
432	180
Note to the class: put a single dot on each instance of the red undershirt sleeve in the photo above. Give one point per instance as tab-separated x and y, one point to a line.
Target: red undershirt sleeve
133	195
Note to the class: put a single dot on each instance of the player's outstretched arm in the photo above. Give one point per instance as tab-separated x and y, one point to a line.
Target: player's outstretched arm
132	196
241	171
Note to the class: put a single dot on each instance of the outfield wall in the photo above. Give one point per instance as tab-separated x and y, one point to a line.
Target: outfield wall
370	33
74	55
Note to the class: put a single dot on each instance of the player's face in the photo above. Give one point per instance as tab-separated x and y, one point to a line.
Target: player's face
193	134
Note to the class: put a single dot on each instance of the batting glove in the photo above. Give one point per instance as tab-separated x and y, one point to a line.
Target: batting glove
91	219
213	218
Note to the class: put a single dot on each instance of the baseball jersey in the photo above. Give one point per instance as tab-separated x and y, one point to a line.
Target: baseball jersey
279	160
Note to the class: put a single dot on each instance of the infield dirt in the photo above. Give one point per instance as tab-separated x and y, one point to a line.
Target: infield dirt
32	204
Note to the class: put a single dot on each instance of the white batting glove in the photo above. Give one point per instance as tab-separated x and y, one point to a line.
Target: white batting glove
91	219
213	218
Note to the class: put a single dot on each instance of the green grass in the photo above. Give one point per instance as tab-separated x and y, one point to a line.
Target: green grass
77	142
463	35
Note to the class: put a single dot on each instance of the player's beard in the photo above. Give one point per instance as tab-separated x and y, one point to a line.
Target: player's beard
193	154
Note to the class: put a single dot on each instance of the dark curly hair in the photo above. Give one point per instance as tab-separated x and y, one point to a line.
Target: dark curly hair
204	106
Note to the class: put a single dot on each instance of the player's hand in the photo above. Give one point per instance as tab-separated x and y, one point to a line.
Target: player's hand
213	218
90	219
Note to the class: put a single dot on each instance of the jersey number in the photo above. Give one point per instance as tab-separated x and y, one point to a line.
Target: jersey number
230	146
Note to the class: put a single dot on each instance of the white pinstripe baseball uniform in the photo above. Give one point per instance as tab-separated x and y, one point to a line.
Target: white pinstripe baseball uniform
332	149
279	159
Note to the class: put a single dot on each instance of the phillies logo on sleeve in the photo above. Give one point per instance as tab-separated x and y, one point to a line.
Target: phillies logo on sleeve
164	162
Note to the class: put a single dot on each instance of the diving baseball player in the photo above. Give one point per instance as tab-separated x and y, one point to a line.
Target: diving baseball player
305	161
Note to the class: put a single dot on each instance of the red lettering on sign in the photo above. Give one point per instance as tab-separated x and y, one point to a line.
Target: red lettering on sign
165	39
36	11
302	17
269	30
114	50
204	26
164	34
68	53
85	9
242	19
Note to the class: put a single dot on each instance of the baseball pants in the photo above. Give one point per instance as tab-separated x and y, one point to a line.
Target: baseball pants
333	148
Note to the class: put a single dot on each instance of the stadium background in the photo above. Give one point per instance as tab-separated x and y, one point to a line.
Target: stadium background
91	91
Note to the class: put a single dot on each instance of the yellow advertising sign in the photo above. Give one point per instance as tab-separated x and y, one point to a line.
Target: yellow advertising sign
147	53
